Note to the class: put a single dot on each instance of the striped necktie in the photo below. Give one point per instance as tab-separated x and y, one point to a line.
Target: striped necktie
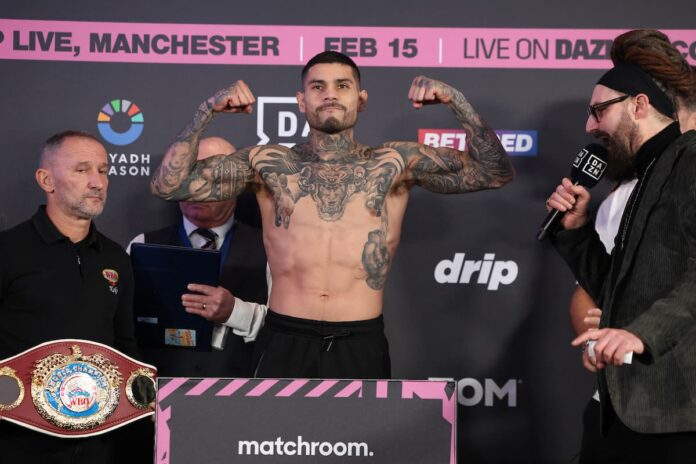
210	239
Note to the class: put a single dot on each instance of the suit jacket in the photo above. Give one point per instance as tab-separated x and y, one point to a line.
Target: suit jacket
244	275
653	296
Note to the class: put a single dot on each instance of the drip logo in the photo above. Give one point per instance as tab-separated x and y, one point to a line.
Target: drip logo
490	272
120	122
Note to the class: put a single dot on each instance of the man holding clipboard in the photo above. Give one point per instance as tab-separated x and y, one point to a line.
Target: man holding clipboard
242	281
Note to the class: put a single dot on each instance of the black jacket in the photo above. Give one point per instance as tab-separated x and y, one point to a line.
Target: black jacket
244	275
651	293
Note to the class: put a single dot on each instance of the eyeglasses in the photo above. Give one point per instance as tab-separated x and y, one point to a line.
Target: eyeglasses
594	110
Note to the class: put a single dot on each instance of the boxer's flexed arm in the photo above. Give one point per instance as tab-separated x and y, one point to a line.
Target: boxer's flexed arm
482	166
181	177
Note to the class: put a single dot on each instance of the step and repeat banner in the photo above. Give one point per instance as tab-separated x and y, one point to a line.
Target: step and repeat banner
472	295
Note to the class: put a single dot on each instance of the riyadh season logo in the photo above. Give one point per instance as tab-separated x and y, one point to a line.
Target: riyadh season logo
120	122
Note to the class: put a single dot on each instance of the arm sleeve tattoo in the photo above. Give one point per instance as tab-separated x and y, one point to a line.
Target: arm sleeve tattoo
181	177
482	166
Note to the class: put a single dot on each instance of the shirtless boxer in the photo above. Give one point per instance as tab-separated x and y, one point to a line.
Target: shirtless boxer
332	210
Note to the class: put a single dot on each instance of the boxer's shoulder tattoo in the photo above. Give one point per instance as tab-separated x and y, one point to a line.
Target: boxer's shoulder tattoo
483	165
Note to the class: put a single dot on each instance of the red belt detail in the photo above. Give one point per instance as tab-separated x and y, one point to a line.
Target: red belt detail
26	414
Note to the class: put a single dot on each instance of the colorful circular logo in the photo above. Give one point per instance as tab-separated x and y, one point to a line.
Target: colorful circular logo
110	110
77	390
78	393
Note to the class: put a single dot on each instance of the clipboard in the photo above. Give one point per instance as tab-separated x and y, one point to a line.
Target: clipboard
161	274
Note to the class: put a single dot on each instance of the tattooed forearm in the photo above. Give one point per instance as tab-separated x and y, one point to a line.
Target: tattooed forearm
219	177
442	171
489	167
191	133
170	177
180	177
483	165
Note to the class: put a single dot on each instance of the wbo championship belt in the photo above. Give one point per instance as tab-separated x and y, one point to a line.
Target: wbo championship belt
75	388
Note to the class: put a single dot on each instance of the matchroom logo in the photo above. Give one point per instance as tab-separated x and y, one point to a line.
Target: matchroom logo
488	271
301	447
120	122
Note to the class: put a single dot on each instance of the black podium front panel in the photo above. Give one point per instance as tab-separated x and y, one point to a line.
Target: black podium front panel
305	421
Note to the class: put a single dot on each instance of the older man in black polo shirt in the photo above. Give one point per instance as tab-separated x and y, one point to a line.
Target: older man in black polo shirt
61	278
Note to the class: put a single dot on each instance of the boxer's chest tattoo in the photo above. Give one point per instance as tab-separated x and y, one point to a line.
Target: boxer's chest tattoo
331	184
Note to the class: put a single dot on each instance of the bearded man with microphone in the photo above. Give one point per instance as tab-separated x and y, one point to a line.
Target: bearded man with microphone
647	286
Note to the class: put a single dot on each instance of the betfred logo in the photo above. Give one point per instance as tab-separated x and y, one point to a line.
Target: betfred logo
486	271
516	143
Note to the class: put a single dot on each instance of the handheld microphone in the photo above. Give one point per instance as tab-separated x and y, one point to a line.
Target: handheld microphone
587	170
